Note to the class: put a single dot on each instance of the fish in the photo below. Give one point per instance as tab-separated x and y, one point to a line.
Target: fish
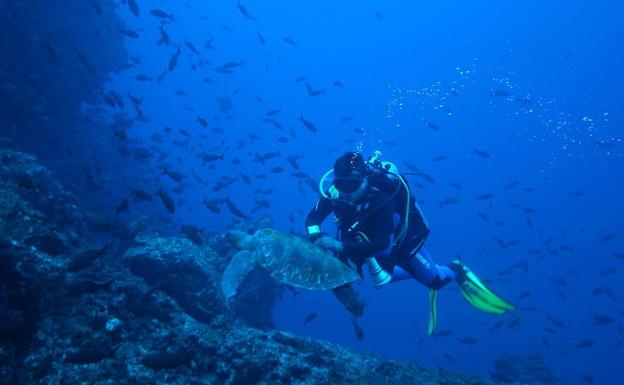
173	62
481	153
167	201
577	193
312	92
141	195
193	233
244	11
143	78
431	125
486	196
123	206
607	238
584	344
174	175
448	201
245	178
161	14
300	78
309	318
213	205
261	38
209	157
511	185
96	6
498	92
443	333
85	258
292	160
455	185
603	319
233	209
290	41
467	340
167	360
190	46
129	33
338	83
307	124
91	353
359	332
134	8
277	170
440	158
449	357
164	36
273	111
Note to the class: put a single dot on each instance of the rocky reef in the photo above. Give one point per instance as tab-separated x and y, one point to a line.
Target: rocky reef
83	306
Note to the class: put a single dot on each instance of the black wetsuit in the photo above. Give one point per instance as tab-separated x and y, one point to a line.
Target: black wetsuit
369	228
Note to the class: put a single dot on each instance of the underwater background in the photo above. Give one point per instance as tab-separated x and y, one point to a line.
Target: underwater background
509	115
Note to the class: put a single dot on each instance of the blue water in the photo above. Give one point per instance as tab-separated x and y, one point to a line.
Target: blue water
559	131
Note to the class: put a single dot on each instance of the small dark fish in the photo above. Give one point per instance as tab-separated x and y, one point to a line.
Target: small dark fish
245	178
174	175
190	46
161	14
584	344
85	258
167	360
448	201
449	357
173	62
309	318
202	121
96	6
511	185
272	112
300	78
501	93
467	340
338	83
290	41
359	332
123	207
312	92
129	33
244	12
440	158
455	185
277	170
233	209
345	119
134	8
307	124
607	238
587	378
443	333
481	153
143	78
261	38
193	234
213	205
431	125
166	200
603	319
91	353
486	196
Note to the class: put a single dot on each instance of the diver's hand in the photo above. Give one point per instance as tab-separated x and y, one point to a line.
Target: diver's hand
329	243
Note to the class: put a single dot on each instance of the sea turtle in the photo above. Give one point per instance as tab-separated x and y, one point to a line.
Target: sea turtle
287	258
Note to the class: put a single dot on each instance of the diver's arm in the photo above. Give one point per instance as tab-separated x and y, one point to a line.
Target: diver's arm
314	219
379	236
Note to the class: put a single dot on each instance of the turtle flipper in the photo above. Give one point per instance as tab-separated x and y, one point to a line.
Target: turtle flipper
236	272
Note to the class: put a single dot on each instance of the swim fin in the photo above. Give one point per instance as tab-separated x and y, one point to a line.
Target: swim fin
433	313
476	293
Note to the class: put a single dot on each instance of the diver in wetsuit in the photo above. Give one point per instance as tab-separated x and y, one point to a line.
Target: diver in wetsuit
380	225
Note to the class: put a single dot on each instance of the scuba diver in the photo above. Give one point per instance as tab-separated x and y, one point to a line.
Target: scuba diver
380	226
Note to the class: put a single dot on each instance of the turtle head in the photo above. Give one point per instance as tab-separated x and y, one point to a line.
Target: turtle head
239	239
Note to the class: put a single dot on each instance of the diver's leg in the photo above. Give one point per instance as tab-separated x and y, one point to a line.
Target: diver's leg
420	266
